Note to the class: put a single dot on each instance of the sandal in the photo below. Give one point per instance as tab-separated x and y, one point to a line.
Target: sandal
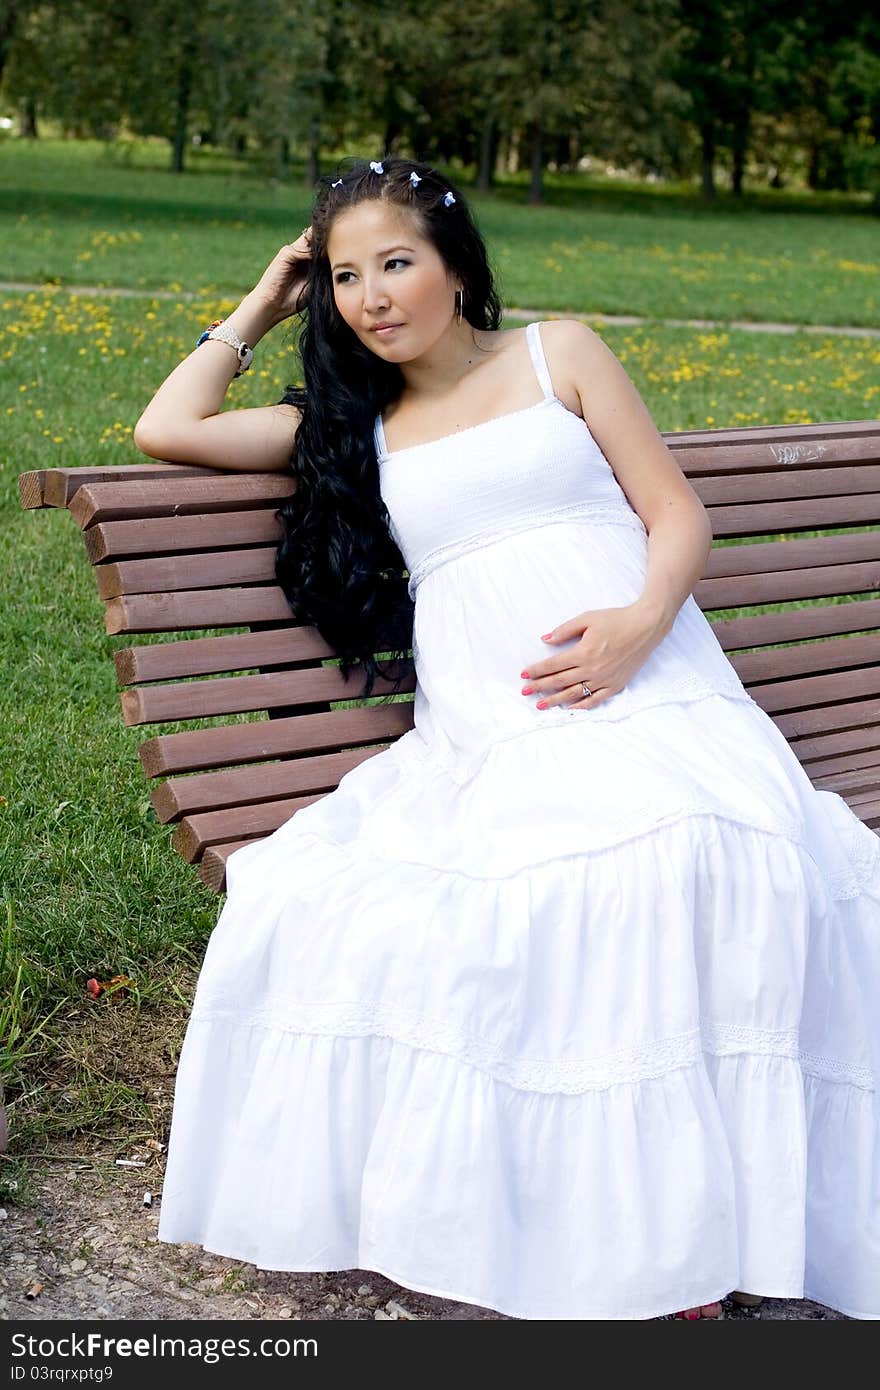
692	1313
746	1300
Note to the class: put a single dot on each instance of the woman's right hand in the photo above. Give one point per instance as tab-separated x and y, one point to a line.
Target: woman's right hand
282	283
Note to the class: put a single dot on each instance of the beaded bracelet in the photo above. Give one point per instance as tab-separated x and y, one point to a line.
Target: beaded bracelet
228	335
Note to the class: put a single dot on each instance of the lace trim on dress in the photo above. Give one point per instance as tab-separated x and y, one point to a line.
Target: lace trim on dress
684	688
863	858
618	513
552	1075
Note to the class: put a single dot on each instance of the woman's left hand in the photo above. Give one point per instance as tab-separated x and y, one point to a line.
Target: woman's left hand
614	643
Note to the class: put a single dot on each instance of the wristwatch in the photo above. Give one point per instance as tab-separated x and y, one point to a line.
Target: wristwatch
221	330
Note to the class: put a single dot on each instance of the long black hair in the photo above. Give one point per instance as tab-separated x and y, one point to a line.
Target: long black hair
338	563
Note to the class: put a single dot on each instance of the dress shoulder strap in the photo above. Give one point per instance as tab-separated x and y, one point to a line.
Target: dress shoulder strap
539	361
379	435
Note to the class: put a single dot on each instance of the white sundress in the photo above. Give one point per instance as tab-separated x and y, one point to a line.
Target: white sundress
564	1013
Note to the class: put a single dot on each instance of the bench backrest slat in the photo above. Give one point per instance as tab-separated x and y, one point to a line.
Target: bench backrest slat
190	551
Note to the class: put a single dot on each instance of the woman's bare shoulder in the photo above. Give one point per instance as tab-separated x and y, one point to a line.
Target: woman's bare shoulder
256	439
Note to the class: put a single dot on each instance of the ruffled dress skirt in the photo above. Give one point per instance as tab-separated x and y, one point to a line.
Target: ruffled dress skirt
564	1013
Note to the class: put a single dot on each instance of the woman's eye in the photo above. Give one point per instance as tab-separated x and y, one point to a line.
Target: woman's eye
393	260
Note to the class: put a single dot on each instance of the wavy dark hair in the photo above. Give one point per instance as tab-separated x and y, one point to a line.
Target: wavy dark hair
338	563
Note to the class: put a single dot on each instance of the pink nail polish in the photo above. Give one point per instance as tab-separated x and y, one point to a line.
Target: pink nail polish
542	704
528	690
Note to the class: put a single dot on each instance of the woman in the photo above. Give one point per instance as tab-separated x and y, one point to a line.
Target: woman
565	1004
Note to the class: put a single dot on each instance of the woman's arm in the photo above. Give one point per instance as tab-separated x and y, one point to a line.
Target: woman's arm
184	424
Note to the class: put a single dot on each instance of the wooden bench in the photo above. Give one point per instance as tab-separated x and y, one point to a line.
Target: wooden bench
179	549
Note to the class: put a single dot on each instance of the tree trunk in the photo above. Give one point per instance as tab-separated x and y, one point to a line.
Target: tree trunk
707	135
536	185
184	87
313	162
9	15
486	166
740	148
282	158
27	115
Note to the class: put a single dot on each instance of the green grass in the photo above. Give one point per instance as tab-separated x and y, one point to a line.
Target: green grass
69	215
91	885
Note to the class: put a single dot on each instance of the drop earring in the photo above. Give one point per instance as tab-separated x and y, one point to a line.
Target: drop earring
459	305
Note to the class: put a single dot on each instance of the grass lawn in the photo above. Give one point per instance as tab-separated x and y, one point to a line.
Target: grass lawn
90	883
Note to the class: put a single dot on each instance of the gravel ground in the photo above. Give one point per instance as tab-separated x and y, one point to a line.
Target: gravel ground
83	1245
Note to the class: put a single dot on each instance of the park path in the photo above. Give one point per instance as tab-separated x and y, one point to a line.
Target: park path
621	320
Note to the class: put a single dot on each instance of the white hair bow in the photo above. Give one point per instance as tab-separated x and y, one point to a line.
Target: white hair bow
415	178
376	166
450	198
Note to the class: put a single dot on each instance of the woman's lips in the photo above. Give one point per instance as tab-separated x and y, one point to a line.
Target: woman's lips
391	328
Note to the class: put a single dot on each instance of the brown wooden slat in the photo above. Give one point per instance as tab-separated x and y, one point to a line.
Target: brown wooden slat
203	557
866	808
767	557
765	449
155	704
740	489
757	435
865	780
212	865
798	724
237	651
829	581
832	654
851	744
201	608
794	624
862	761
217	493
173	535
811	514
54	487
239	786
815	691
195	833
168	573
198	750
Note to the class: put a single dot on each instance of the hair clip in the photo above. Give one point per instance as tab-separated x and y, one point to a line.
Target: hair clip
336	184
415	178
376	166
450	197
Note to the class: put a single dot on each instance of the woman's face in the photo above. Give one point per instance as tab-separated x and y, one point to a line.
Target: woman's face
384	271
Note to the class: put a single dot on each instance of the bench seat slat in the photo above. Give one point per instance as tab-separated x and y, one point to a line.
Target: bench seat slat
197	608
201	656
154	704
195	833
198	750
237	786
804	658
212	865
